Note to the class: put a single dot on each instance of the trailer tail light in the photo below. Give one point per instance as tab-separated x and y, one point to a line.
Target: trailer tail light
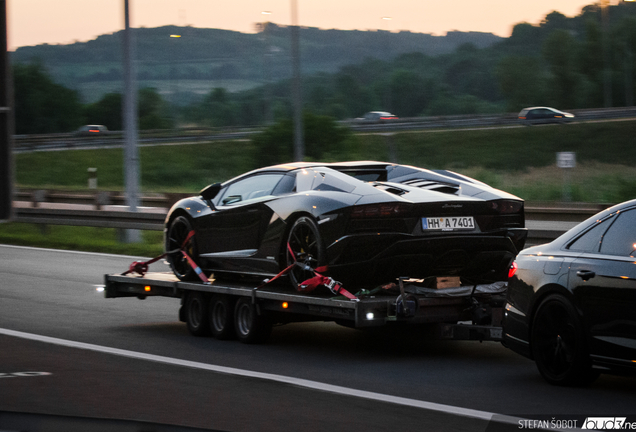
379	210
512	270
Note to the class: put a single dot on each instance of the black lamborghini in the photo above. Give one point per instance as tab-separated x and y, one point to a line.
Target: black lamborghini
362	223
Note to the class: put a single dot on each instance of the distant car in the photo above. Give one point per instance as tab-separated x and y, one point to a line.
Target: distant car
92	130
571	304
377	117
536	115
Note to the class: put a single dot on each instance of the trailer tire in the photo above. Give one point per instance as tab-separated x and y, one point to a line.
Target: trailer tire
250	327
221	314
197	312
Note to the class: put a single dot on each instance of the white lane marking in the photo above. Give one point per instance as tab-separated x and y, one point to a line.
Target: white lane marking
23	374
314	385
73	252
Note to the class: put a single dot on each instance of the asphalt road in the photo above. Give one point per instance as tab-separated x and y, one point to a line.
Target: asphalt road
68	356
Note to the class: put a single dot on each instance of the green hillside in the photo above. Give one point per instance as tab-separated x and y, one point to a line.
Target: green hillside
211	56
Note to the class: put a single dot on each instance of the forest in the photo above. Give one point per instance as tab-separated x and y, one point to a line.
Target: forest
565	62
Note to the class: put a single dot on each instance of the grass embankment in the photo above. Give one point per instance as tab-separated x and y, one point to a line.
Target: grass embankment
518	160
89	239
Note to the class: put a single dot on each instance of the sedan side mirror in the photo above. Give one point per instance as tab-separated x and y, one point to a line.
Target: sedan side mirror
209	192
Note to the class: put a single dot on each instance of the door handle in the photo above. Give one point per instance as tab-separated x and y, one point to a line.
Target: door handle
585	274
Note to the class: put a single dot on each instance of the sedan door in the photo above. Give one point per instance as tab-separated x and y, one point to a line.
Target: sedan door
604	283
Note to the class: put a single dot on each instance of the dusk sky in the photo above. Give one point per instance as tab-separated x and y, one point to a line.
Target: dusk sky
32	22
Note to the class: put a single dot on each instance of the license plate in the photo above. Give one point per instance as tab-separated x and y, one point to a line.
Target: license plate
450	223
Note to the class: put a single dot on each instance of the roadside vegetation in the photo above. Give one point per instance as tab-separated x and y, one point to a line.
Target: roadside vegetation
89	239
519	160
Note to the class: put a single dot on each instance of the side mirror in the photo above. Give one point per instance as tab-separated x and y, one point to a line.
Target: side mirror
209	192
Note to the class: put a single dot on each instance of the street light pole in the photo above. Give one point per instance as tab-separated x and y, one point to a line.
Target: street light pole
267	109
607	73
629	82
174	78
6	122
131	155
299	144
387	94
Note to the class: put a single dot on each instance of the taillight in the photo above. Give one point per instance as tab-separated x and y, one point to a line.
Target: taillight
506	206
512	270
379	210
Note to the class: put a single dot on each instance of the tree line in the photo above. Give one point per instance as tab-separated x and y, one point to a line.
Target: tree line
42	106
562	62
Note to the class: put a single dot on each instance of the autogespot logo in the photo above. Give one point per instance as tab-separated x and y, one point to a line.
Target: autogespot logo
608	423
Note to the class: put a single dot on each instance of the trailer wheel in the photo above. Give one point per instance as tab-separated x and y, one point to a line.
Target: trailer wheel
177	233
250	327
222	316
307	248
197	314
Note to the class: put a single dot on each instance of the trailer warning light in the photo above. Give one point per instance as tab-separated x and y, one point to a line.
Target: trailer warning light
285	305
147	288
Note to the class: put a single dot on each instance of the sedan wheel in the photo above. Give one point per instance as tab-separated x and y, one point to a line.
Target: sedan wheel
305	247
177	234
559	345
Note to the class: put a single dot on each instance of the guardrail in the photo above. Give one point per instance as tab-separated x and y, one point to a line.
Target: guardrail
96	198
26	143
91	218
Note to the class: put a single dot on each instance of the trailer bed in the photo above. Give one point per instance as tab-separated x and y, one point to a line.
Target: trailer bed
464	313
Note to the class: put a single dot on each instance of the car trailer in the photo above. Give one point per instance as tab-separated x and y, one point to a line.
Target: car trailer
247	311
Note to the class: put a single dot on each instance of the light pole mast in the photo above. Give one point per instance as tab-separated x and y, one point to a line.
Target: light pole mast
299	144
607	72
131	154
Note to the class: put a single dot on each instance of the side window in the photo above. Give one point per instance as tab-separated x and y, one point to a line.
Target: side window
250	188
286	185
620	239
591	240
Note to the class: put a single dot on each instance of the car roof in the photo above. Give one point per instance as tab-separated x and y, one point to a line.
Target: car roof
540	107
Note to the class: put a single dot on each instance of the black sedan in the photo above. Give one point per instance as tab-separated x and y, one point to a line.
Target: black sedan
571	304
362	223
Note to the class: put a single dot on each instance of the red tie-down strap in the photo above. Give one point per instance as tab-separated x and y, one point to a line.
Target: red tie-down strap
335	287
141	267
312	283
196	268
